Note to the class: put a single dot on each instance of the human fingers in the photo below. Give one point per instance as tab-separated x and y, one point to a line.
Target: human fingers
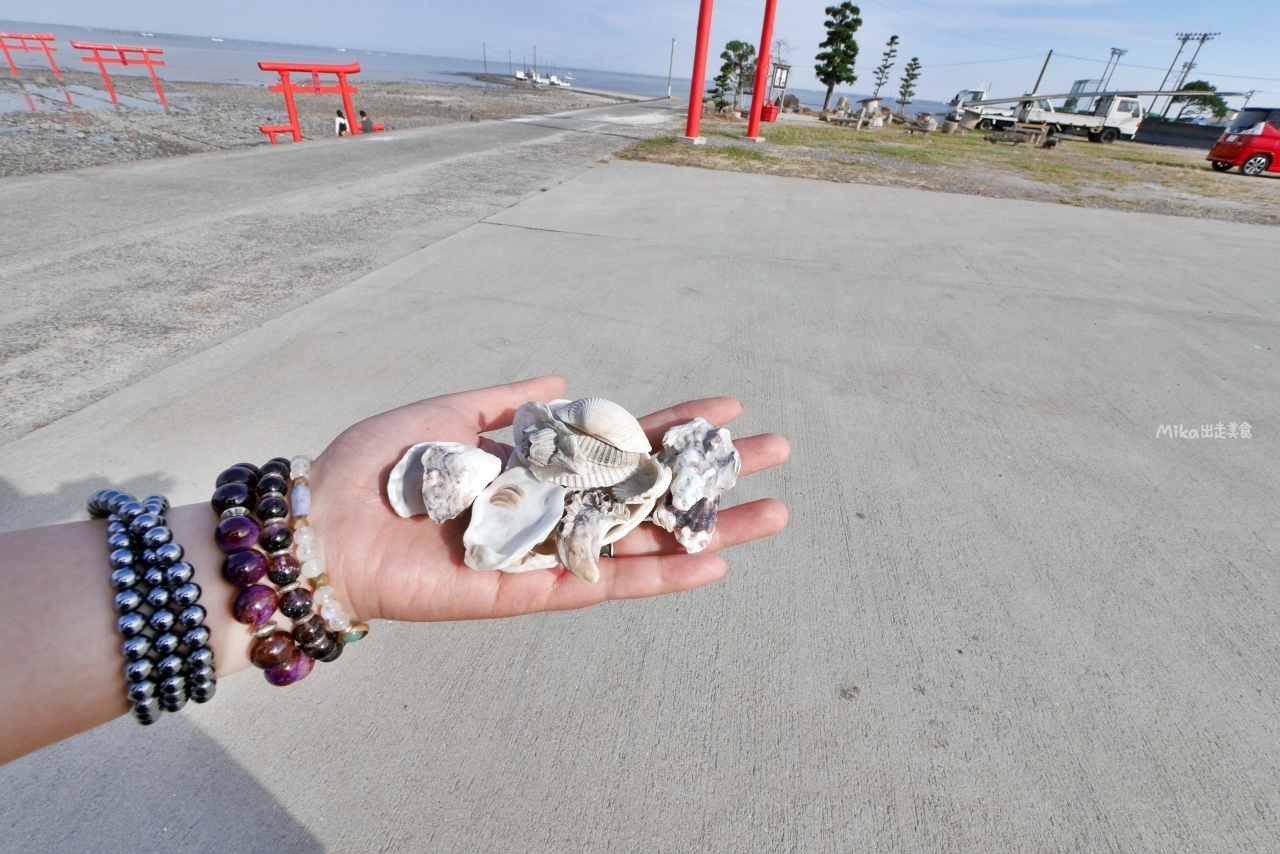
761	452
718	410
734	526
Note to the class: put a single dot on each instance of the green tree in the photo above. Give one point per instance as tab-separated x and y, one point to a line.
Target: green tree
738	68
1213	104
886	63
907	90
835	63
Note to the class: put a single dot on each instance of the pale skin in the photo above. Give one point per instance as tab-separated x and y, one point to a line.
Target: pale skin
62	671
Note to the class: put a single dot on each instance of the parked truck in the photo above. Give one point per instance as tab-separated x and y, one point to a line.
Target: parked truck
988	117
1115	115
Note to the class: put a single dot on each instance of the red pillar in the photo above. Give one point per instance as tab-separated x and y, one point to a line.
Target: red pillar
699	72
762	70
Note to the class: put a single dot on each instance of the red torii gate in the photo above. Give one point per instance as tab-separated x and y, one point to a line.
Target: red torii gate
700	73
288	87
122	58
22	39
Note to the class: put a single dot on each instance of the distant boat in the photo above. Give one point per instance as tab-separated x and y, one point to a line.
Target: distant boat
342	50
146	34
215	40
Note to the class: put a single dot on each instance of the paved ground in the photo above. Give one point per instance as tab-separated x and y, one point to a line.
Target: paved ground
108	274
1007	615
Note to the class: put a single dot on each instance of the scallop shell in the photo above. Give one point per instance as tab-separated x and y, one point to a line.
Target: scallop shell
439	479
607	421
511	521
557	453
589	518
704	463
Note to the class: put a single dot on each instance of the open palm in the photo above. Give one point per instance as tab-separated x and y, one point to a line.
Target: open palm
387	567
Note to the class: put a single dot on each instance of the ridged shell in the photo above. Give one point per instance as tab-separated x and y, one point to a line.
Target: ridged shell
439	479
607	421
589	518
510	520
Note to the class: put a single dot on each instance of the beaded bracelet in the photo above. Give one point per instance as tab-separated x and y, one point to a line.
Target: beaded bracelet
284	657
152	581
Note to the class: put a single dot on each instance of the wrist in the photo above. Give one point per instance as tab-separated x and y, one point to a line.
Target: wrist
326	517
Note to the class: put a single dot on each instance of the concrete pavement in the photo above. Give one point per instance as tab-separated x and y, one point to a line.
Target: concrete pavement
1008	615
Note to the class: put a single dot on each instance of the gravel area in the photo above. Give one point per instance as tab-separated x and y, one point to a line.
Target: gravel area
212	116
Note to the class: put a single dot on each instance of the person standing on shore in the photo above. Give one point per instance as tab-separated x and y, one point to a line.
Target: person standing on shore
340	127
366	123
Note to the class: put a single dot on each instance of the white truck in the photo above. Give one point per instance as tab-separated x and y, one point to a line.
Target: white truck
1115	115
989	117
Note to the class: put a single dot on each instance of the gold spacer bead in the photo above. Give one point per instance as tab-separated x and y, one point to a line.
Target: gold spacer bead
301	481
300	522
319	581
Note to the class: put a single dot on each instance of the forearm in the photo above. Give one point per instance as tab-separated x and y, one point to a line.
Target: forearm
63	670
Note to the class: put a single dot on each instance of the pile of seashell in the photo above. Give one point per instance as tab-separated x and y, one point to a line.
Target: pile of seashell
580	477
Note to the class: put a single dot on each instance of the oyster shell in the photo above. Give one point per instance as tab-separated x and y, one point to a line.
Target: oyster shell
607	421
511	521
589	518
704	463
440	479
640	493
558	453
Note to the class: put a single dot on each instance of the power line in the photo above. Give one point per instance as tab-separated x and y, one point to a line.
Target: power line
982	61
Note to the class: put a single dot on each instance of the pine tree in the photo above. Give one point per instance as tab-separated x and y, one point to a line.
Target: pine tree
739	67
835	64
886	63
907	90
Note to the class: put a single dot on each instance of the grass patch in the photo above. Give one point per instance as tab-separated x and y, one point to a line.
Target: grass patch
737	152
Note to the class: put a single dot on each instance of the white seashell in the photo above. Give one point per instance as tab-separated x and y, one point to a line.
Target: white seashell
589	518
510	519
704	463
439	479
607	421
556	453
640	494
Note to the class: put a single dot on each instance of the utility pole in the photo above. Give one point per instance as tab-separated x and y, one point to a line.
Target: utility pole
1112	65
485	51
511	65
1036	88
671	67
535	60
1247	96
1183	38
1200	39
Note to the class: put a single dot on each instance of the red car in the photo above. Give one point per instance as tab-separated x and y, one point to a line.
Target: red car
1250	142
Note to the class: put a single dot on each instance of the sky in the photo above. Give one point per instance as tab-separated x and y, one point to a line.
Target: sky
961	43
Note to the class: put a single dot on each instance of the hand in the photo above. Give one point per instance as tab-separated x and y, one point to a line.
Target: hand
387	567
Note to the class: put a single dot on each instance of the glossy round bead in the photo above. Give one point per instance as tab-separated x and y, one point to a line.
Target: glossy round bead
203	693
308	630
117	527
187	594
196	638
238	474
293	670
202	657
304	537
136	647
159	500
325	594
140	690
191	616
130	511
124	579
120	540
283	569
275	537
296	603
170	665
232	495
339	622
173	703
121	557
156	537
275	648
115	502
149	557
173	685
153	577
330	654
202	676
131	624
142	523
147	710
158	597
271	507
128	601
241	569
251	467
254	604
178	574
313	568
237	533
168	555
277	466
98	502
162	620
136	671
306	551
272	484
322	649
166	643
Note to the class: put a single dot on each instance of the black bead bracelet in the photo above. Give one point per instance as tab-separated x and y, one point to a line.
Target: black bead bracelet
166	648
